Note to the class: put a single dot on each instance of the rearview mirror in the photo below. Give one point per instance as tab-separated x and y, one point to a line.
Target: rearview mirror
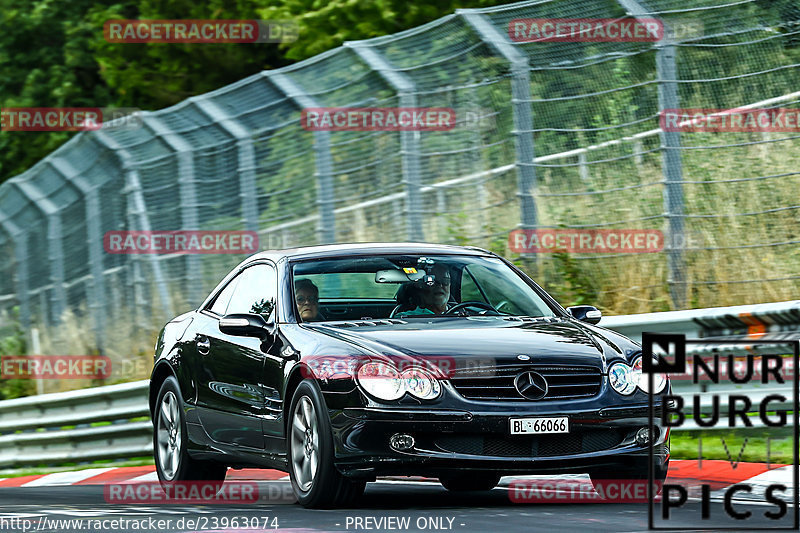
396	275
245	325
585	313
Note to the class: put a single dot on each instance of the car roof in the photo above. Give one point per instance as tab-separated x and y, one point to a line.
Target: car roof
359	248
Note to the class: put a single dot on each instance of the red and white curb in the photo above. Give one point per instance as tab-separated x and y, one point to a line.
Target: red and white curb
135	474
719	474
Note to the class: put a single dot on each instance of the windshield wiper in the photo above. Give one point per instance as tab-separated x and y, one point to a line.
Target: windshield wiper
405	317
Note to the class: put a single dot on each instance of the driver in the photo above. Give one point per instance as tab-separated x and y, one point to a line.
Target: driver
432	299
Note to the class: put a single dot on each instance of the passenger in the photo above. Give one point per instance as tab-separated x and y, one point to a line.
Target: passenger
306	297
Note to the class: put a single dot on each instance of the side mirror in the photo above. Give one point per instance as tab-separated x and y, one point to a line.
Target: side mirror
245	325
585	313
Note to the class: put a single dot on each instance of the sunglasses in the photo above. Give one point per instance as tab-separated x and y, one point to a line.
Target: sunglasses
305	300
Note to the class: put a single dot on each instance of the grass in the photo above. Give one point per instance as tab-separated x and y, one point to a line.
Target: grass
685	445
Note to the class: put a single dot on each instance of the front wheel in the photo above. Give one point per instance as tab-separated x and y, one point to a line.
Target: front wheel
469	481
170	440
315	480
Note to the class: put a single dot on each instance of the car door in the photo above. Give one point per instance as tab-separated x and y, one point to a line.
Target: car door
233	395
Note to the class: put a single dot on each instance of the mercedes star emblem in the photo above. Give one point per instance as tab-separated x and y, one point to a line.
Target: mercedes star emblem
531	385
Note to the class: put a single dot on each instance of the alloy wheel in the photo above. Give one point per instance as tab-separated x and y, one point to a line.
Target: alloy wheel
305	443
169	436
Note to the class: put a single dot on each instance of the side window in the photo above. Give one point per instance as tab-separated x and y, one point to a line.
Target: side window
255	292
221	303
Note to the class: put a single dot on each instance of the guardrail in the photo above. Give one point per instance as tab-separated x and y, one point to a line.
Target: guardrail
106	422
740	321
85	425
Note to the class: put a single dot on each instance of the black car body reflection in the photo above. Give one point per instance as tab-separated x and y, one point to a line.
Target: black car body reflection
247	375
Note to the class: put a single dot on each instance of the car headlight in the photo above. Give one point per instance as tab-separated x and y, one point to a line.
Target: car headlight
420	384
659	379
381	380
622	378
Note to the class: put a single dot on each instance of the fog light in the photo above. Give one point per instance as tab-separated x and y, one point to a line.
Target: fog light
401	441
643	436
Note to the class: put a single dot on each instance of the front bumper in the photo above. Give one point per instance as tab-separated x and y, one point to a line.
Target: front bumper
448	440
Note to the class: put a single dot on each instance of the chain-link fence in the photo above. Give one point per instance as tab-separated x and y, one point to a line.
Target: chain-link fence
549	134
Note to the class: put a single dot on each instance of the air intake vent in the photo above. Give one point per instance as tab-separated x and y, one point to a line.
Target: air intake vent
532	446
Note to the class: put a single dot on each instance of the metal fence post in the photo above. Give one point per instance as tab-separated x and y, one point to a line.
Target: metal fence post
523	119
21	252
246	156
673	177
97	297
189	221
409	140
667	73
322	156
55	239
134	277
133	191
672	166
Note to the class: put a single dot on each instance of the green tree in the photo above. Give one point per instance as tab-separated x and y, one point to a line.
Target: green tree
53	54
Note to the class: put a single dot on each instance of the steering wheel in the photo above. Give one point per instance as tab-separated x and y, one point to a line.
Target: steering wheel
503	304
463	305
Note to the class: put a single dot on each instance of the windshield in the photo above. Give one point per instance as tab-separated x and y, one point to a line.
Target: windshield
411	286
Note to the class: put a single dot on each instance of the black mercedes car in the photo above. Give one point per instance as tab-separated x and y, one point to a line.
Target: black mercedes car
345	362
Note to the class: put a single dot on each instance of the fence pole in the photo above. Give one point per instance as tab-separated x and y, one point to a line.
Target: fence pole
97	297
134	267
326	228
673	176
55	240
409	140
20	239
138	210
523	118
188	200
672	166
245	154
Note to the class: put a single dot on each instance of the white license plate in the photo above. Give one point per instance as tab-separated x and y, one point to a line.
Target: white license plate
534	426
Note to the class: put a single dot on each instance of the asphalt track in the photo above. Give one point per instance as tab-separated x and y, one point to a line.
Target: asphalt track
404	506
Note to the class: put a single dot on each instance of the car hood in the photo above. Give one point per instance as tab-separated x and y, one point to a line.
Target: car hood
554	340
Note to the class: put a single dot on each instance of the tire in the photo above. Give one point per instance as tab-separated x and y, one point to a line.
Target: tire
170	442
469	481
623	472
309	441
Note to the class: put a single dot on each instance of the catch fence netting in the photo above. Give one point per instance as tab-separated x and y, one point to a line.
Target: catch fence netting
548	135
